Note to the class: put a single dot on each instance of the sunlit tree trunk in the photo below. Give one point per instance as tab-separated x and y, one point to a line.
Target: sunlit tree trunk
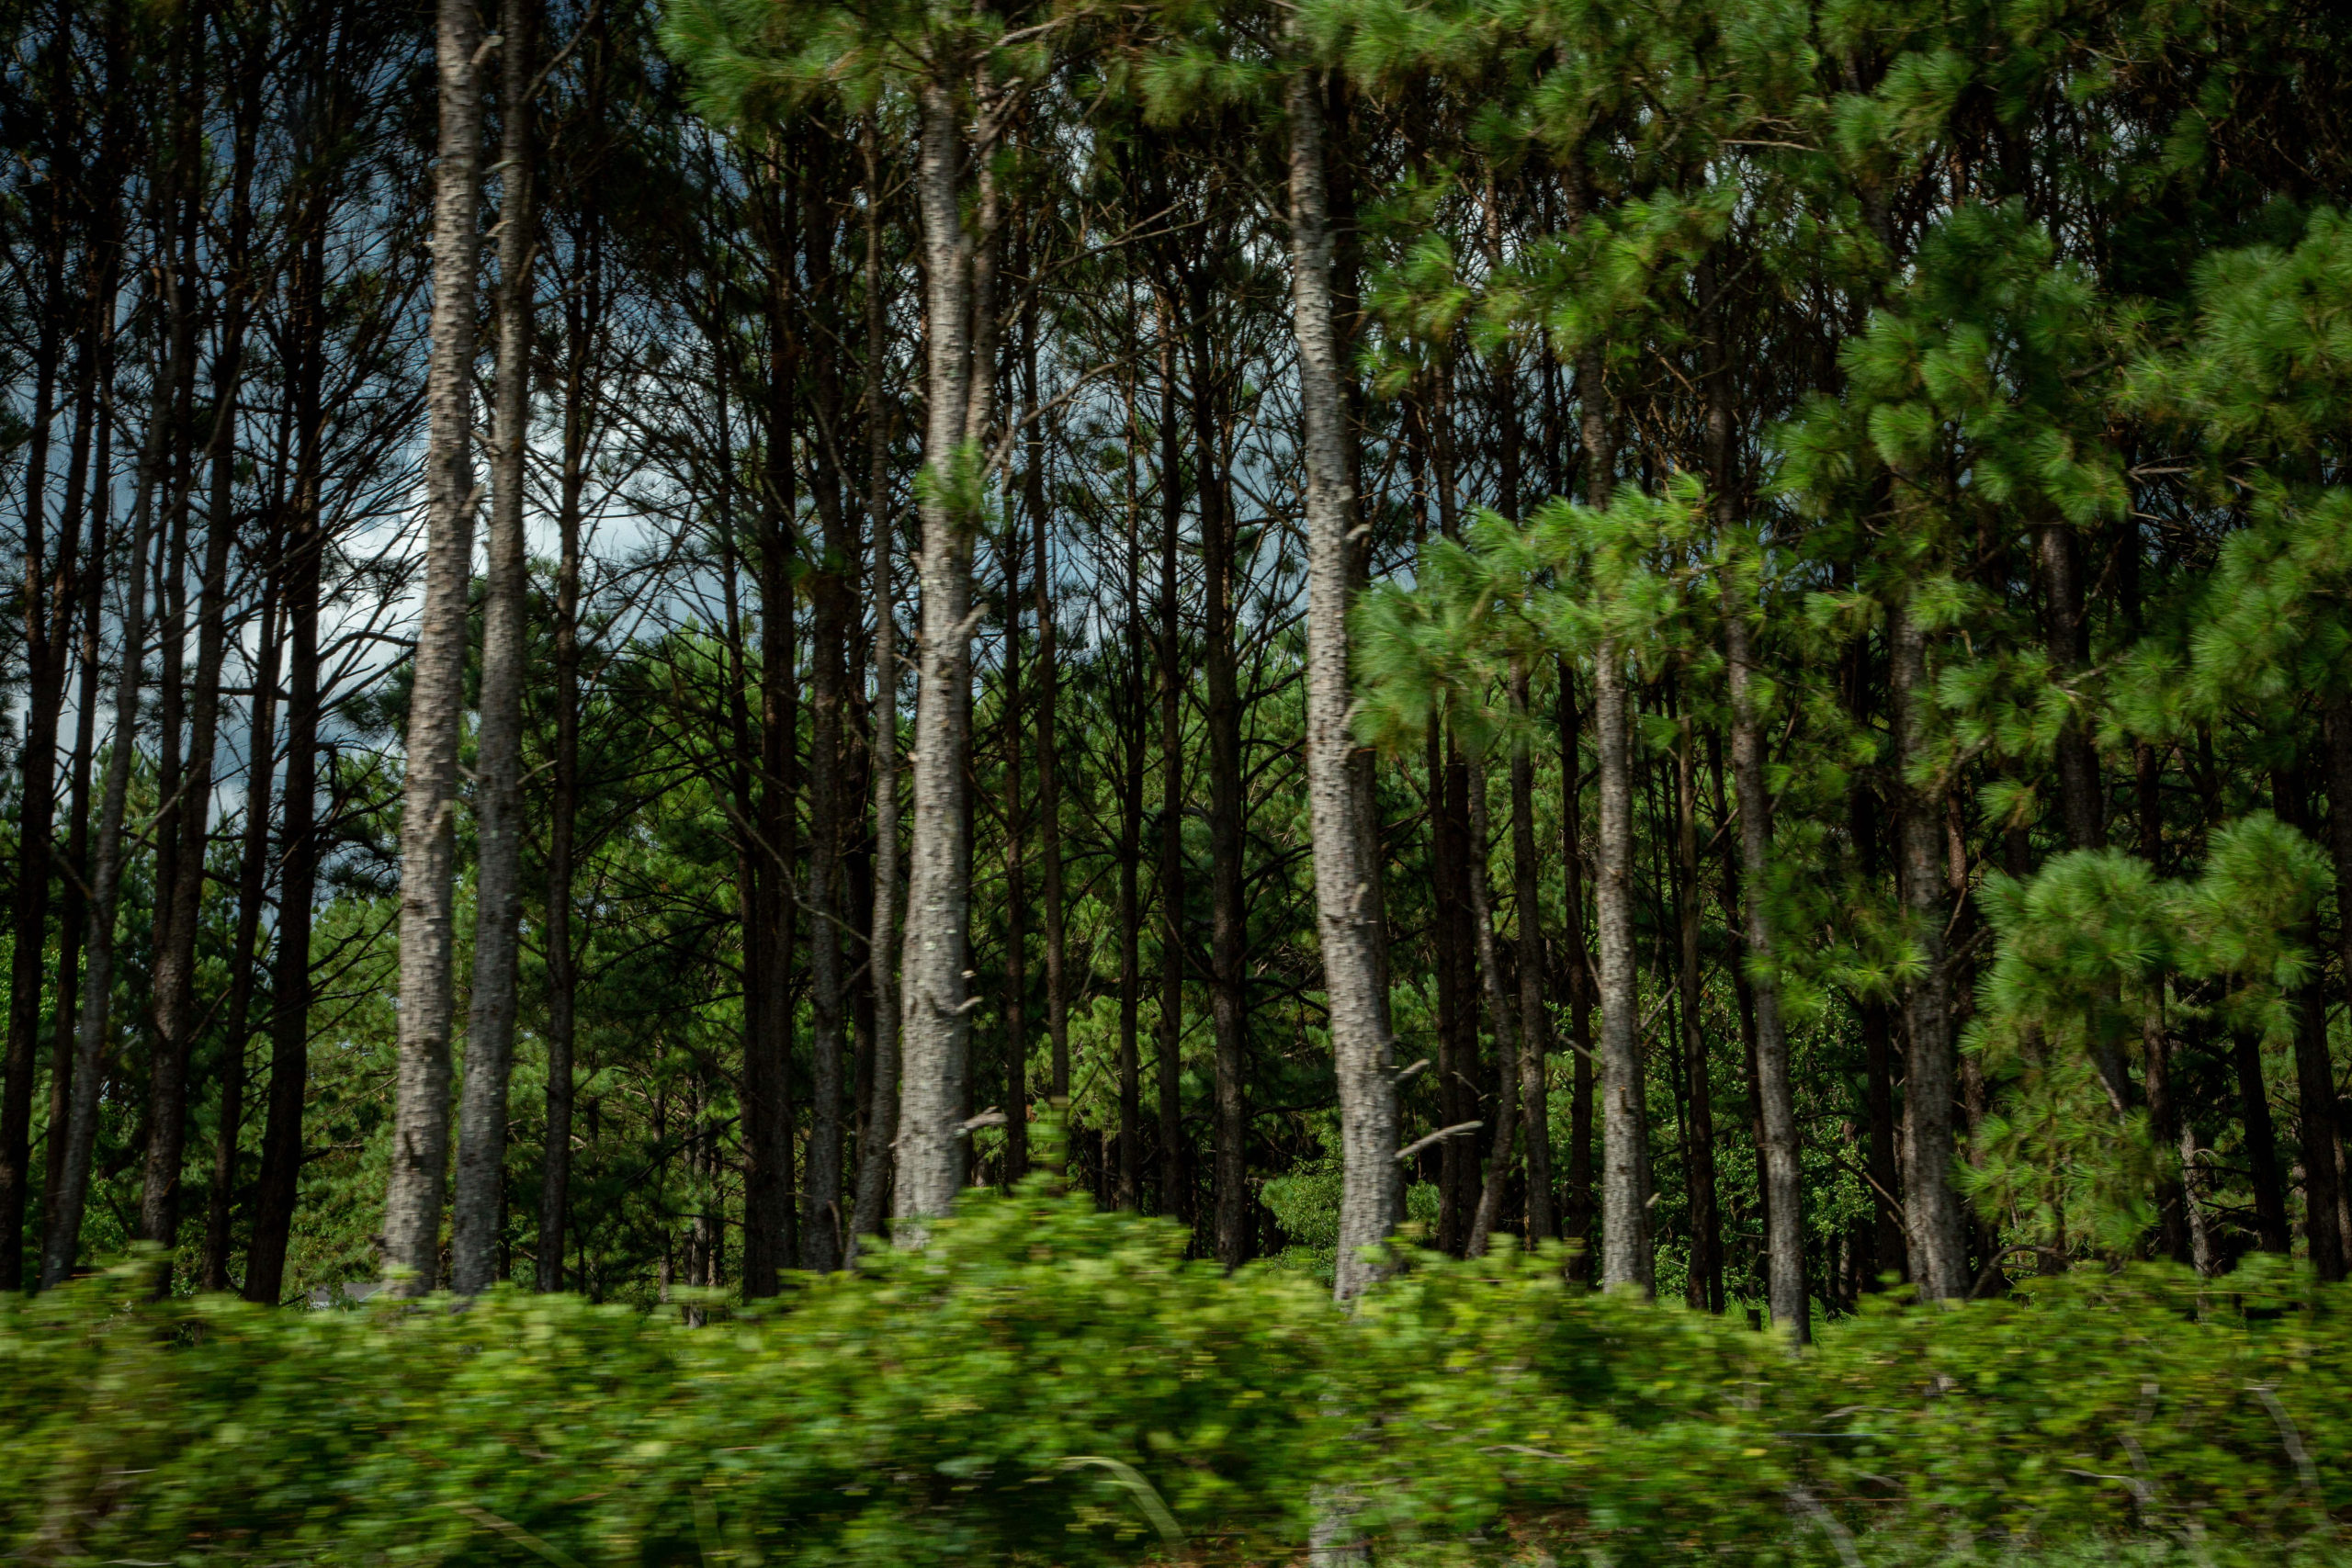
419	1152
1371	1193
498	761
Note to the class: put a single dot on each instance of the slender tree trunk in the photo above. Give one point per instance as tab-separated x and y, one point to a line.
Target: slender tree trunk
935	1021
252	871
2261	1144
1372	1197
1626	1256
1016	877
1706	1209
1783	1173
1131	725
1579	967
275	1188
1175	1175
878	1156
583	326
38	759
1049	799
74	917
1535	1021
1937	1230
419	1153
824	1222
1499	1017
498	766
62	1243
1228	914
175	1014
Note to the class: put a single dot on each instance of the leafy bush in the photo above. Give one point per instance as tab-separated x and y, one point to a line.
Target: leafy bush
1046	1383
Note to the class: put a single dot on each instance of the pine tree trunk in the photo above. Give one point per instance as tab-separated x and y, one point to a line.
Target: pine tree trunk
583	326
1175	1175
1228	914
253	869
878	1154
1706	1209
37	760
1626	1256
94	1028
1535	1021
823	1241
1131	727
74	916
1499	1017
2261	1145
771	1219
1936	1229
498	765
175	1014
419	1153
1578	968
275	1187
1049	800
1016	883
1372	1197
1783	1172
933	1017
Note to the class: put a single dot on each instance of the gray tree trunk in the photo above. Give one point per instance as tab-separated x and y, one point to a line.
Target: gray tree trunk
420	1154
1783	1176
1372	1191
1627	1258
877	1155
1936	1230
933	1016
498	766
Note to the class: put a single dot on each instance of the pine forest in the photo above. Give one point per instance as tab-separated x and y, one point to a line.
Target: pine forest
1398	669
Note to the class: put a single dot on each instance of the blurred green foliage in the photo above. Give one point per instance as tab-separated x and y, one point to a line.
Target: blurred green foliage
1049	1384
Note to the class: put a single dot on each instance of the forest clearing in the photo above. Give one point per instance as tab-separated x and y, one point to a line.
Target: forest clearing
1340	779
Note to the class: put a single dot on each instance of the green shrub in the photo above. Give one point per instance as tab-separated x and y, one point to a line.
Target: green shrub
1050	1384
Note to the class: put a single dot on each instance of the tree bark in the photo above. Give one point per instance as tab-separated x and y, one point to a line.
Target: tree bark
878	1156
176	1015
1783	1173
62	1243
2261	1144
1499	1017
1535	1021
1936	1228
823	1241
584	327
38	763
1049	800
1707	1209
1627	1259
275	1187
1175	1176
253	869
498	765
935	1021
1578	972
419	1152
1229	912
1371	1194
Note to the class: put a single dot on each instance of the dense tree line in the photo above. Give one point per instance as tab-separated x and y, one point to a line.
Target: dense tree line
1713	635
